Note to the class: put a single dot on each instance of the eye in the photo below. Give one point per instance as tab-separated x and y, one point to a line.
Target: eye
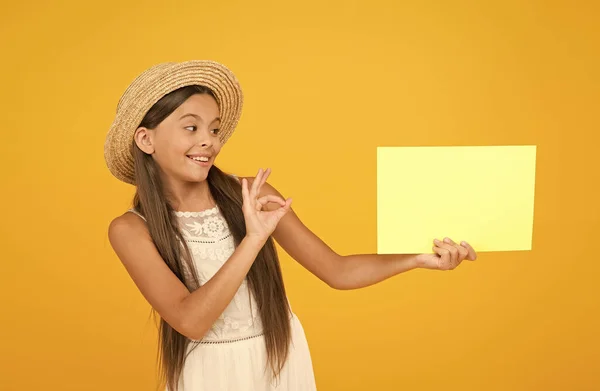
191	126
215	131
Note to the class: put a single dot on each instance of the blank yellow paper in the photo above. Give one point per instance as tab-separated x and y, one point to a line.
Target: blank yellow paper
483	195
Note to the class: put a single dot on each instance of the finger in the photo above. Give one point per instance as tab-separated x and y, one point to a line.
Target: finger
472	254
264	179
255	183
449	241
262	201
261	181
245	192
462	251
451	249
285	208
247	203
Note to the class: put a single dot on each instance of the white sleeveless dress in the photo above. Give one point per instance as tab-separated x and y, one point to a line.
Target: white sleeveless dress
232	354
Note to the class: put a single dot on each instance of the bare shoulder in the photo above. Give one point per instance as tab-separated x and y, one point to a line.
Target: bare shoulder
133	245
125	233
125	226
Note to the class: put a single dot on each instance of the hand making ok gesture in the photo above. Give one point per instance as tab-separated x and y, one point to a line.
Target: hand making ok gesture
261	223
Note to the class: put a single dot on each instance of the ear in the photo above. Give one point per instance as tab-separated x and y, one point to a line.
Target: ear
144	140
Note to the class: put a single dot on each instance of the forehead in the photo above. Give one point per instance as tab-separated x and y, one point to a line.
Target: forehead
201	104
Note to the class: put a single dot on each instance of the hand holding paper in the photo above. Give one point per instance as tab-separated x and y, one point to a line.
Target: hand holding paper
446	255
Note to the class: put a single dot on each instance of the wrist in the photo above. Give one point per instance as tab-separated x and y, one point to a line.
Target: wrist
405	262
254	241
420	261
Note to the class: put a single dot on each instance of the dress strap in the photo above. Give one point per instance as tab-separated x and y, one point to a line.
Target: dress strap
137	213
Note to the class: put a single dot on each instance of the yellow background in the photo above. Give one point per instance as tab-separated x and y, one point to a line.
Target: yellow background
325	83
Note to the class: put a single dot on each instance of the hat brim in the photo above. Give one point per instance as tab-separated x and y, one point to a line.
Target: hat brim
153	84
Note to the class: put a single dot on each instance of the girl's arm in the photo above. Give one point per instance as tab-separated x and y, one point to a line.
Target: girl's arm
191	314
357	270
338	271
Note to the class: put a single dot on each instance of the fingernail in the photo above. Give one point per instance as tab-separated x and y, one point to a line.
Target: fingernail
436	241
463	243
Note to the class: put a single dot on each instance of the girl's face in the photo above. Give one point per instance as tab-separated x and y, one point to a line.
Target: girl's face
187	142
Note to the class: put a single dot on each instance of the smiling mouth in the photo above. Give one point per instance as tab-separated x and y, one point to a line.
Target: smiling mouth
202	159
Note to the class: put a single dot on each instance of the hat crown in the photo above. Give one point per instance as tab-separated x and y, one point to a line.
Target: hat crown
140	80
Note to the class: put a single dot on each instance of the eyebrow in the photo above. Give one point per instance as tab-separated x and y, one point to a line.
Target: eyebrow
197	117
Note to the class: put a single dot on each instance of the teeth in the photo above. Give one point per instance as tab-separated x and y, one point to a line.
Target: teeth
200	158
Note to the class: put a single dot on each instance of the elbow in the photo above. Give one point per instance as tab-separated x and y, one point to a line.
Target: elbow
339	284
195	336
335	279
192	331
332	283
191	327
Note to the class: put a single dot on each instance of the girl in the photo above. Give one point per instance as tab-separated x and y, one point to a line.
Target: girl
198	243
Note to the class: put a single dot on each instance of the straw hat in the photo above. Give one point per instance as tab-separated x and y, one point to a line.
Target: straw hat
153	84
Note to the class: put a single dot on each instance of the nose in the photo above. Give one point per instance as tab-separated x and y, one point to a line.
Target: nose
203	138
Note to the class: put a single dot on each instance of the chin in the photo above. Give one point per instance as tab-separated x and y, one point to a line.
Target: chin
197	177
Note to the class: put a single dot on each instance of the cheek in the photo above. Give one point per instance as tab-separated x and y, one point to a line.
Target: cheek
217	146
171	146
168	153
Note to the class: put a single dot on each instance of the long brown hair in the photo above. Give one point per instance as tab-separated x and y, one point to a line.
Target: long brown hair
264	278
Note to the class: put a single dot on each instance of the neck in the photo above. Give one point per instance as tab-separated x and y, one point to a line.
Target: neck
190	197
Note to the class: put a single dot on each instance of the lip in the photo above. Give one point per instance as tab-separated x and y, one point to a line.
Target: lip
202	164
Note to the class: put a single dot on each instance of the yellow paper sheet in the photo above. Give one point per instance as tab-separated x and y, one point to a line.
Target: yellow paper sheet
483	195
